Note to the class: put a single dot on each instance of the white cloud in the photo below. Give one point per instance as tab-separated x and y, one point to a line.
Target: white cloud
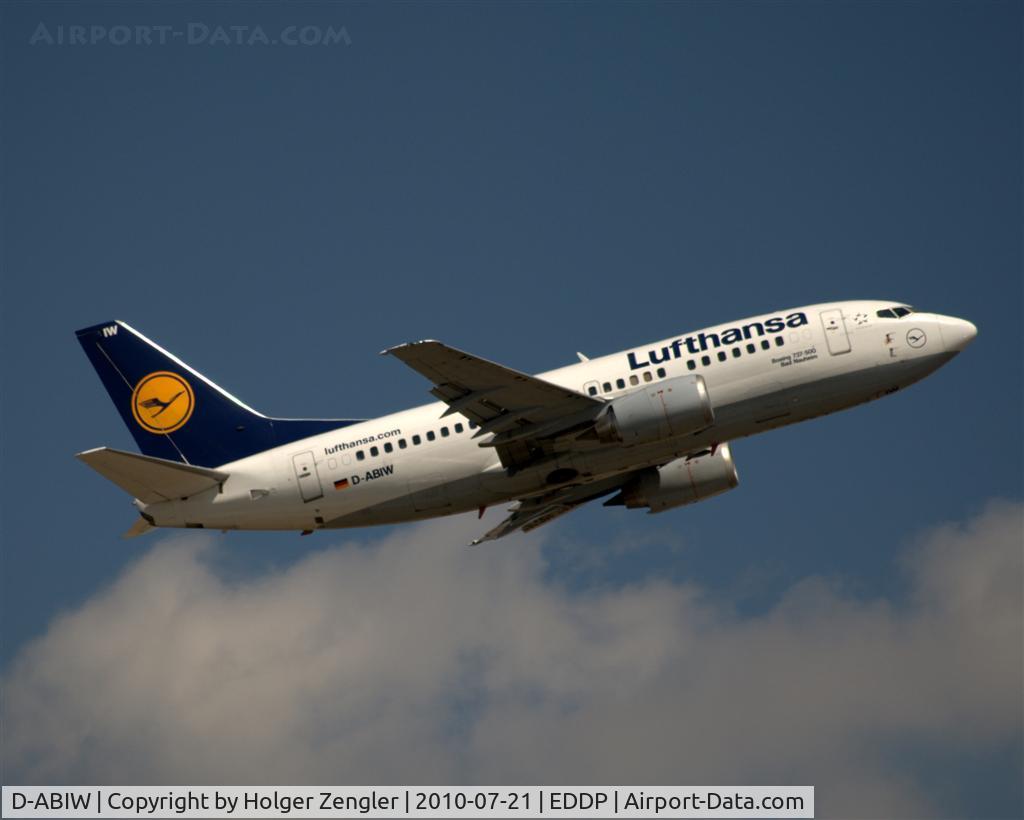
412	659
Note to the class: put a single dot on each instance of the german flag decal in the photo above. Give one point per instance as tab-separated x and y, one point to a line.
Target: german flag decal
341	484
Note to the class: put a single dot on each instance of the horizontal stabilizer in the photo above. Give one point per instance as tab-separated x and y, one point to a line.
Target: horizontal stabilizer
151	479
140	527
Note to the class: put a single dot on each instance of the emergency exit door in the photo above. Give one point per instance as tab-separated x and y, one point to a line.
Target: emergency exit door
835	332
306	475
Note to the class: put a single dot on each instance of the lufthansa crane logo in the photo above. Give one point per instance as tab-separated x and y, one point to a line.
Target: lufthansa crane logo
916	337
162	402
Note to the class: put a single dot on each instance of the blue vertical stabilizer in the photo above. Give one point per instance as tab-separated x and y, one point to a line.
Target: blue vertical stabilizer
176	413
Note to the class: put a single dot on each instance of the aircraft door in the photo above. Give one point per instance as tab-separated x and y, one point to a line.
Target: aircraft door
835	332
307	476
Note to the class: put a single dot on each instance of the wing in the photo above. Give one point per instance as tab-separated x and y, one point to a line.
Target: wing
533	512
521	411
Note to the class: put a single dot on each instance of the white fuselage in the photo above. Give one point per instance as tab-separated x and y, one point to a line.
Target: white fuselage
419	464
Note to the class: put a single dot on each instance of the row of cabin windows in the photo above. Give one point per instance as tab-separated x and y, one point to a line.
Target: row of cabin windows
691	364
620	384
737	351
416	440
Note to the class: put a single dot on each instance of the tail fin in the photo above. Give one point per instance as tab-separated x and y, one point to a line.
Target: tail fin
174	412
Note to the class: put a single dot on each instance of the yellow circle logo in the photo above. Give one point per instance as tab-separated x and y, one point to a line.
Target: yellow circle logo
162	402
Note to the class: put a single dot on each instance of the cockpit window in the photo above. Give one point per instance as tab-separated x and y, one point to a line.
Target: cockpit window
894	313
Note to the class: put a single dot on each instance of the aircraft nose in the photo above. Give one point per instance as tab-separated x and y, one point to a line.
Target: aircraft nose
957	334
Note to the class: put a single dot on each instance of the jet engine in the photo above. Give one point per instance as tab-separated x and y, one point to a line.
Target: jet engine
674	407
683	481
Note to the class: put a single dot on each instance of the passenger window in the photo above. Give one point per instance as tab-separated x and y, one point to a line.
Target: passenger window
444	432
661	372
647	376
751	348
633	380
430	435
705	360
401	444
592	390
472	425
416	440
765	344
736	352
458	428
360	455
607	386
620	383
691	365
779	341
374	451
387	447
721	356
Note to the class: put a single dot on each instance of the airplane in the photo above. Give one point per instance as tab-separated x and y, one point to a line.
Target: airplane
649	427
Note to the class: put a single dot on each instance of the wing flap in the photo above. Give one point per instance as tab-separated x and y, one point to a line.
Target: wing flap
148	478
533	512
525	521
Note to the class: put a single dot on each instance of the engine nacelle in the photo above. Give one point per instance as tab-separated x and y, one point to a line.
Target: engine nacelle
674	407
682	481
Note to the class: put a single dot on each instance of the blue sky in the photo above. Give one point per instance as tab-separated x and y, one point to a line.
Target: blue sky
522	181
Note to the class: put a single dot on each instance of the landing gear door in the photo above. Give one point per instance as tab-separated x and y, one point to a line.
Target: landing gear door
835	332
306	475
